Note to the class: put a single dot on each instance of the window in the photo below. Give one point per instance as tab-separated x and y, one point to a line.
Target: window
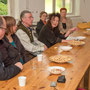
55	5
48	6
58	5
3	7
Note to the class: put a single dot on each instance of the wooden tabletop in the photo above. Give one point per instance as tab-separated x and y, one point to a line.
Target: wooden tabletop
38	76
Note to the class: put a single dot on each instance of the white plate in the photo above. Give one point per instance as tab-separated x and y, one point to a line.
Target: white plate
57	68
80	38
76	38
66	48
88	29
70	38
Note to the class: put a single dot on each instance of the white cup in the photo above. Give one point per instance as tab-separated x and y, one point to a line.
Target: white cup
39	57
22	80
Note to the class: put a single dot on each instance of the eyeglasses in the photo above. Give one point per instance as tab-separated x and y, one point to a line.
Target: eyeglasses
3	28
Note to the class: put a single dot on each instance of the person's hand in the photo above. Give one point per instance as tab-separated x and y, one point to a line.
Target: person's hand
18	64
71	31
45	47
66	40
74	29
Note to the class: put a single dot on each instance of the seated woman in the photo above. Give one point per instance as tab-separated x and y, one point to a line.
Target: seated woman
42	22
50	34
13	69
65	22
16	51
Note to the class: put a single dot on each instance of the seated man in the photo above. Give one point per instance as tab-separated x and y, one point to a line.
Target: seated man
11	70
26	35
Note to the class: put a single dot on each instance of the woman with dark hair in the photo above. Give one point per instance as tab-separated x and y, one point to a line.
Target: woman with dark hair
50	34
42	21
16	51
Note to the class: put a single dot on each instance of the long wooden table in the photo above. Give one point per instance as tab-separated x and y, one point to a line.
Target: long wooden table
38	76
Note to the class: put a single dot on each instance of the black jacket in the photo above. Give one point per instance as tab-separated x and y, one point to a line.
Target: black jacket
12	54
50	37
40	24
7	72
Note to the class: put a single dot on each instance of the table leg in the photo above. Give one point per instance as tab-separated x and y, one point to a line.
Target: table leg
81	85
89	79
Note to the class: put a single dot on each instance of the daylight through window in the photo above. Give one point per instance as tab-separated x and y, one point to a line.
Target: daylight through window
55	5
3	7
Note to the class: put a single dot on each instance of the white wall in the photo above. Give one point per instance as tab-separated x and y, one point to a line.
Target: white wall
76	7
36	6
75	20
11	7
85	10
17	6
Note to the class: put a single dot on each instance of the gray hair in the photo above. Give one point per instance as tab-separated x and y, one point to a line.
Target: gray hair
1	21
23	13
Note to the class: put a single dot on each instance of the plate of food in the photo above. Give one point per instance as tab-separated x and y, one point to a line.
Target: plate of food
60	58
76	43
65	48
80	38
88	29
56	69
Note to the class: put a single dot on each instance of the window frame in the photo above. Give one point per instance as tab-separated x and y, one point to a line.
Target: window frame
63	5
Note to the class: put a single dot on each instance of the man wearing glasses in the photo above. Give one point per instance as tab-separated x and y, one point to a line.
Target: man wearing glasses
12	70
